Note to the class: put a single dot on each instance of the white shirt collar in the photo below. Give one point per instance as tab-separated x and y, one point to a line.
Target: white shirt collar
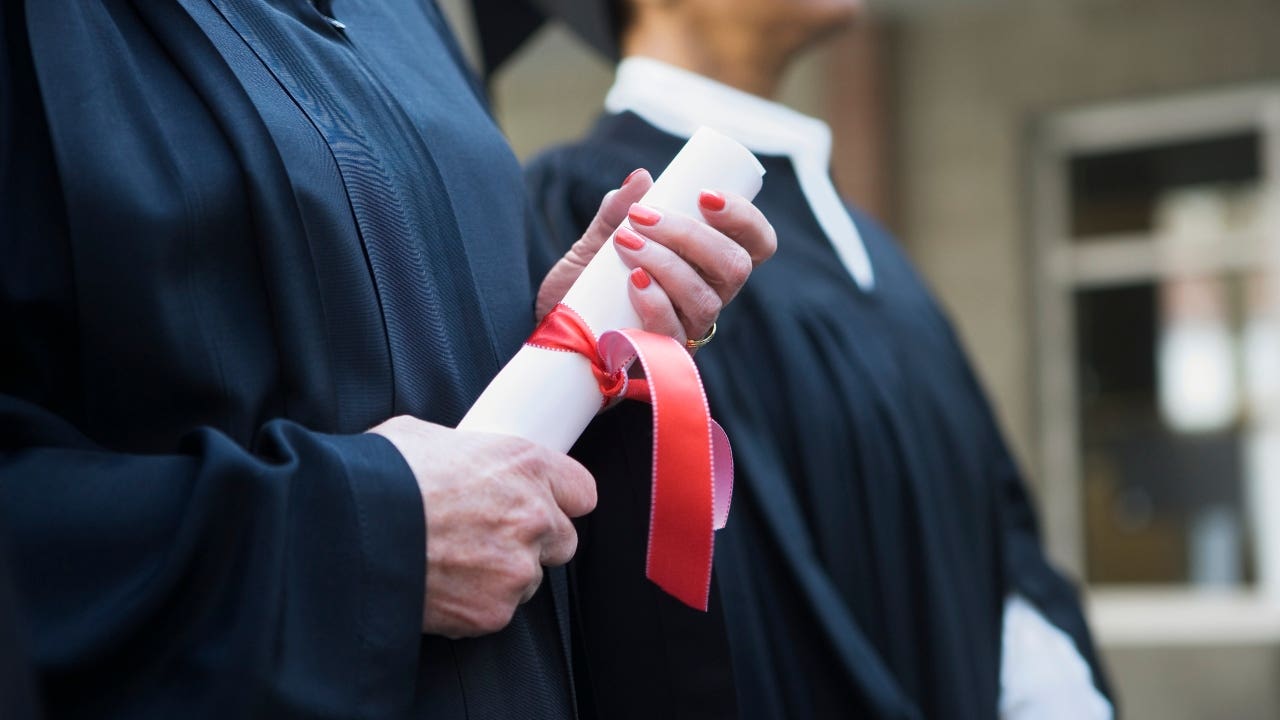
677	102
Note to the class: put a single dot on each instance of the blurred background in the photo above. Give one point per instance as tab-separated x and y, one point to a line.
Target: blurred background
1092	187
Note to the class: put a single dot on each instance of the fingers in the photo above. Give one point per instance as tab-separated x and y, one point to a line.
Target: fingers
677	302
496	511
571	496
572	487
696	294
613	209
697	267
657	314
721	262
741	221
559	543
532	588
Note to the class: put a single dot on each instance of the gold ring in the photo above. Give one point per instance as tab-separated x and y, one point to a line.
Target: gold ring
695	344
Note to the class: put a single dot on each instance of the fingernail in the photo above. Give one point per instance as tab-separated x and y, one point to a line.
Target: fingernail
640	278
642	215
711	200
632	175
627	238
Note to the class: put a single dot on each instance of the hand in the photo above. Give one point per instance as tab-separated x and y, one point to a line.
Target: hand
497	510
685	270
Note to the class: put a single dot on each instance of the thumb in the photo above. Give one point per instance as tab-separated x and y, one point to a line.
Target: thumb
613	210
572	487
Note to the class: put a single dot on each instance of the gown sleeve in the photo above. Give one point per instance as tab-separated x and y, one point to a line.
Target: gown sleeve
17	692
1042	675
216	573
274	575
1049	664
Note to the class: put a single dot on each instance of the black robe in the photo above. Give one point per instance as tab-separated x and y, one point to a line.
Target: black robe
17	687
879	521
234	236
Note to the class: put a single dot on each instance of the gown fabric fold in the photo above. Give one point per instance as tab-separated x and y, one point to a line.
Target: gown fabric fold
234	237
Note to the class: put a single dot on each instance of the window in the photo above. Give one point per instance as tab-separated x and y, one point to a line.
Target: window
1156	229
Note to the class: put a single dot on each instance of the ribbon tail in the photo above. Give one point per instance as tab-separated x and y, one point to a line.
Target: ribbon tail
684	511
692	460
722	461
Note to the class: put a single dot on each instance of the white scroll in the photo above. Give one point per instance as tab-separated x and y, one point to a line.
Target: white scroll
550	397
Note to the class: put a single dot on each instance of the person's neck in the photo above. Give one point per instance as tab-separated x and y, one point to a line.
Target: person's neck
735	59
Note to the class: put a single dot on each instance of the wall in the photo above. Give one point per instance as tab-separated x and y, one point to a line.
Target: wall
969	84
970	81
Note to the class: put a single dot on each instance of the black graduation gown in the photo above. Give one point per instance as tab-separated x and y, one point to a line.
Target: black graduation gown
233	236
17	687
878	521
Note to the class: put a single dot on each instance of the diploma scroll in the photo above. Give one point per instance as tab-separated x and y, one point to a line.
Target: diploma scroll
579	356
550	397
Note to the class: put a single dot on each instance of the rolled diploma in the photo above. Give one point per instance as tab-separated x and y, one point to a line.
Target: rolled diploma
549	396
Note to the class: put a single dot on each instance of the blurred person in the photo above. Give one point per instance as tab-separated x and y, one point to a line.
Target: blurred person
882	558
237	234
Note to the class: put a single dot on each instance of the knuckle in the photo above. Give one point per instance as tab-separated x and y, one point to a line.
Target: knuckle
495	617
659	316
527	517
570	544
517	573
522	514
582	251
665	322
706	305
529	574
528	459
737	266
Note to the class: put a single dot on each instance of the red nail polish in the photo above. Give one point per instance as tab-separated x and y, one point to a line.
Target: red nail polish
711	200
640	278
627	238
642	215
632	175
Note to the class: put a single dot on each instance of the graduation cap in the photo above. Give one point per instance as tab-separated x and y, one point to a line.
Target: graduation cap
504	25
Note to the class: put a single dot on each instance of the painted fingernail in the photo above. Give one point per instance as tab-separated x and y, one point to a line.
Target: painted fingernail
642	215
627	238
640	278
632	175
711	200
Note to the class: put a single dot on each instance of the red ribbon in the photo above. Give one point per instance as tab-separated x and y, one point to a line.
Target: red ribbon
692	461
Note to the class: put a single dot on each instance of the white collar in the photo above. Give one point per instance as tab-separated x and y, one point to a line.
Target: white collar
678	101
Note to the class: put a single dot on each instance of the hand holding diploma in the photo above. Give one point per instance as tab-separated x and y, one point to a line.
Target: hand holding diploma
663	257
697	264
672	262
498	509
498	494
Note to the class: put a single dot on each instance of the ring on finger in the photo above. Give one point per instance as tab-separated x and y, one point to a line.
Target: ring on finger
695	344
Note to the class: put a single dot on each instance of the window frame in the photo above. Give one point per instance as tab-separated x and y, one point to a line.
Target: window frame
1127	614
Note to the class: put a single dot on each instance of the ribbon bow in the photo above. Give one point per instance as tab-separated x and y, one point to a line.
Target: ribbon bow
692	460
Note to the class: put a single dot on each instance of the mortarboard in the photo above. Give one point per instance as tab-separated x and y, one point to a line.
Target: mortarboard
504	25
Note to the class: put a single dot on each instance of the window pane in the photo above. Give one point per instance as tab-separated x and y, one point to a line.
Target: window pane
1118	192
1163	428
